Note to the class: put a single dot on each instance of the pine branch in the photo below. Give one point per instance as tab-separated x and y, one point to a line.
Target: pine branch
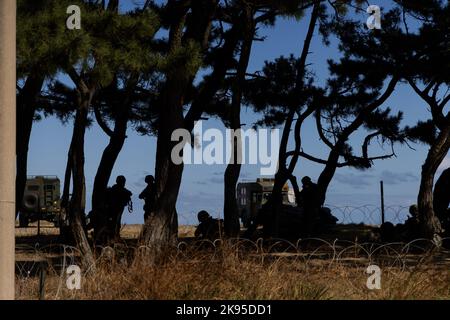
101	122
320	130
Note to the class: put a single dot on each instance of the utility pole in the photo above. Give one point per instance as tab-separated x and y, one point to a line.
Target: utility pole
7	147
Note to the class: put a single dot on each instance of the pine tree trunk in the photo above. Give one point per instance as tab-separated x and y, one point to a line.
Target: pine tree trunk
76	207
285	171
64	231
122	111
67	180
21	175
296	188
331	166
327	174
233	170
430	225
161	228
231	212
160	231
26	108
272	210
108	160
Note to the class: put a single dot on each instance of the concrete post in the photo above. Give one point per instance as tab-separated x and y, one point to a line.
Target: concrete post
7	146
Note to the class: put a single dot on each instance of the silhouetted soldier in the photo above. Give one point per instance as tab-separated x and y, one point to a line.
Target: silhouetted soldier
209	228
412	227
98	221
309	200
408	231
441	200
388	232
149	196
118	197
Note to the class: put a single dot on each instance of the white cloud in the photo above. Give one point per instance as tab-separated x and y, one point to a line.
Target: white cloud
354	180
392	178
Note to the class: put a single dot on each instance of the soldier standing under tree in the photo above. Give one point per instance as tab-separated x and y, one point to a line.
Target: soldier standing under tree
149	196
309	197
118	197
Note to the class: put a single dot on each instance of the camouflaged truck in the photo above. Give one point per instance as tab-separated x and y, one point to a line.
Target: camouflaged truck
41	201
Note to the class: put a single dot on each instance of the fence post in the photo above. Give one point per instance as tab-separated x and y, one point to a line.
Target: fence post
42	276
382	201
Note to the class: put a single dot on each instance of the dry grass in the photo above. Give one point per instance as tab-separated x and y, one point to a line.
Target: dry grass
245	271
47	229
128	231
228	273
132	231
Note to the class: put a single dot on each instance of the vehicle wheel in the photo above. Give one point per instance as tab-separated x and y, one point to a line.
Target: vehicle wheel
23	221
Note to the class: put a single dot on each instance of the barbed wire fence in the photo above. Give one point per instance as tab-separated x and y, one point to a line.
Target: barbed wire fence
41	269
369	214
53	261
365	214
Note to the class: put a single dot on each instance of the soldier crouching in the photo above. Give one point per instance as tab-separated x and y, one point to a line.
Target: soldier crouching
209	228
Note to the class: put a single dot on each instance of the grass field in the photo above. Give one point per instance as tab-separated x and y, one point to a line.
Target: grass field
236	270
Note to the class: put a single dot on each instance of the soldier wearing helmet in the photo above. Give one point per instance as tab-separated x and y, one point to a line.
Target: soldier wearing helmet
149	196
309	200
209	228
118	197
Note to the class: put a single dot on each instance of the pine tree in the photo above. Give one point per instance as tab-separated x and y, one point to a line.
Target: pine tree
355	99
283	91
189	25
428	74
109	43
40	46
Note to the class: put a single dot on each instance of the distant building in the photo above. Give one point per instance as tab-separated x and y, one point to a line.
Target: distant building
251	196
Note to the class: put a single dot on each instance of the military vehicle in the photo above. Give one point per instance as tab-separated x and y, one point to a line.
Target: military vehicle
251	196
41	200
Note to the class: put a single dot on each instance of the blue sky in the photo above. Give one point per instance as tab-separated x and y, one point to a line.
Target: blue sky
202	186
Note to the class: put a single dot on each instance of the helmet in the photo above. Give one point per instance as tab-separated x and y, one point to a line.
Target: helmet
306	180
149	179
121	180
203	216
414	210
